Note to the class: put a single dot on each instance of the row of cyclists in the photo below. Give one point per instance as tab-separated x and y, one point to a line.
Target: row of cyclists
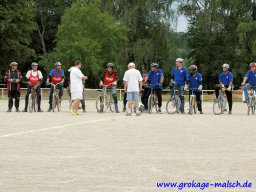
181	79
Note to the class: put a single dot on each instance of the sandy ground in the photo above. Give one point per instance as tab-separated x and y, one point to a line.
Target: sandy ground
45	152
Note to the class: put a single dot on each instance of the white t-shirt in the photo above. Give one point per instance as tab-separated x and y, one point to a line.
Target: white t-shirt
132	76
34	73
76	83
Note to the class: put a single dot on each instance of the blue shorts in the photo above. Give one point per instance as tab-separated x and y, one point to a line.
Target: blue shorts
133	96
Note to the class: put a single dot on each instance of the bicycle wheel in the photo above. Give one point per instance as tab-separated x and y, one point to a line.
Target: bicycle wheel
249	106
58	103
30	103
217	107
191	105
155	101
101	103
195	106
111	104
150	102
54	102
172	106
34	103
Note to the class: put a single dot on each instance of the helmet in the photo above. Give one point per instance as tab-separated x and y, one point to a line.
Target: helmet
225	65
34	64
13	64
154	65
192	68
253	64
58	64
179	60
110	65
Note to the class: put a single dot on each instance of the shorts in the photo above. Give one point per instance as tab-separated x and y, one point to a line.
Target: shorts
76	95
133	96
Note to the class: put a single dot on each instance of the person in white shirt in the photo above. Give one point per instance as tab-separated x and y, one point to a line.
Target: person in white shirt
76	86
35	79
132	86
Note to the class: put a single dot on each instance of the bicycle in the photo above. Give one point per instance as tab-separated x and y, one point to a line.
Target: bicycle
56	101
152	100
193	102
219	105
251	102
173	105
104	101
32	101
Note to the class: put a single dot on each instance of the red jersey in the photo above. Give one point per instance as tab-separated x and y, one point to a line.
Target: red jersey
109	78
34	79
56	79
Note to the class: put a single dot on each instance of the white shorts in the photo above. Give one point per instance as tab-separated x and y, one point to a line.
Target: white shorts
76	95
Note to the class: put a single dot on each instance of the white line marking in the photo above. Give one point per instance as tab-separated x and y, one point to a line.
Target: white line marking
56	127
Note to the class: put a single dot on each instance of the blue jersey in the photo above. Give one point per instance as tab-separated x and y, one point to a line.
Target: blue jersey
226	79
179	75
251	77
58	73
155	78
194	81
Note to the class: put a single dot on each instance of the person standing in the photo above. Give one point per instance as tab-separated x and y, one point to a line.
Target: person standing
76	86
156	77
132	86
35	79
226	82
108	81
178	79
251	78
56	76
195	85
13	78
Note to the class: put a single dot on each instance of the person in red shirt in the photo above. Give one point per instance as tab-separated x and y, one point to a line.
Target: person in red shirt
109	80
56	76
35	79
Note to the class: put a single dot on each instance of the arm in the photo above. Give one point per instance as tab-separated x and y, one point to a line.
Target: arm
125	86
140	83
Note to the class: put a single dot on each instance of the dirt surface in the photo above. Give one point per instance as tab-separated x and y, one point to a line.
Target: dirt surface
45	152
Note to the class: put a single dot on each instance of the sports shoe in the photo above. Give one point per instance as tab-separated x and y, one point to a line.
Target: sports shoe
17	110
124	109
78	113
159	111
128	114
137	114
49	110
201	112
9	110
84	111
72	112
40	110
230	112
24	110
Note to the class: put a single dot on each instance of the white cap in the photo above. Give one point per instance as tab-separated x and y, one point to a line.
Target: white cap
225	65
131	64
180	60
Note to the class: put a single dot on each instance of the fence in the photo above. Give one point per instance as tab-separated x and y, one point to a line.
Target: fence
91	94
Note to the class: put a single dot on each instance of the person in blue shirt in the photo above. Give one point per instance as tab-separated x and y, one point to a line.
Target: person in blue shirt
56	76
157	78
251	77
226	82
194	81
178	79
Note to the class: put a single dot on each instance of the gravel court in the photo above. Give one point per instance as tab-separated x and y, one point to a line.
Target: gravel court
111	152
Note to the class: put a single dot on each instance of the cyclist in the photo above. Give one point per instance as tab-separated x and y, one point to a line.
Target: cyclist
35	79
13	78
132	86
178	79
56	76
109	79
226	81
194	81
251	77
157	78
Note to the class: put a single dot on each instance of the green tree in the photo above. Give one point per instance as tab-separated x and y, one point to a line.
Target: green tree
16	26
88	34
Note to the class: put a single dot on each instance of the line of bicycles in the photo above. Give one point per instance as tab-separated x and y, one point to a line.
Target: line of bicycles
104	101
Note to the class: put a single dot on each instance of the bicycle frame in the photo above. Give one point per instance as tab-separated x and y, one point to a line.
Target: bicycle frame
103	102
